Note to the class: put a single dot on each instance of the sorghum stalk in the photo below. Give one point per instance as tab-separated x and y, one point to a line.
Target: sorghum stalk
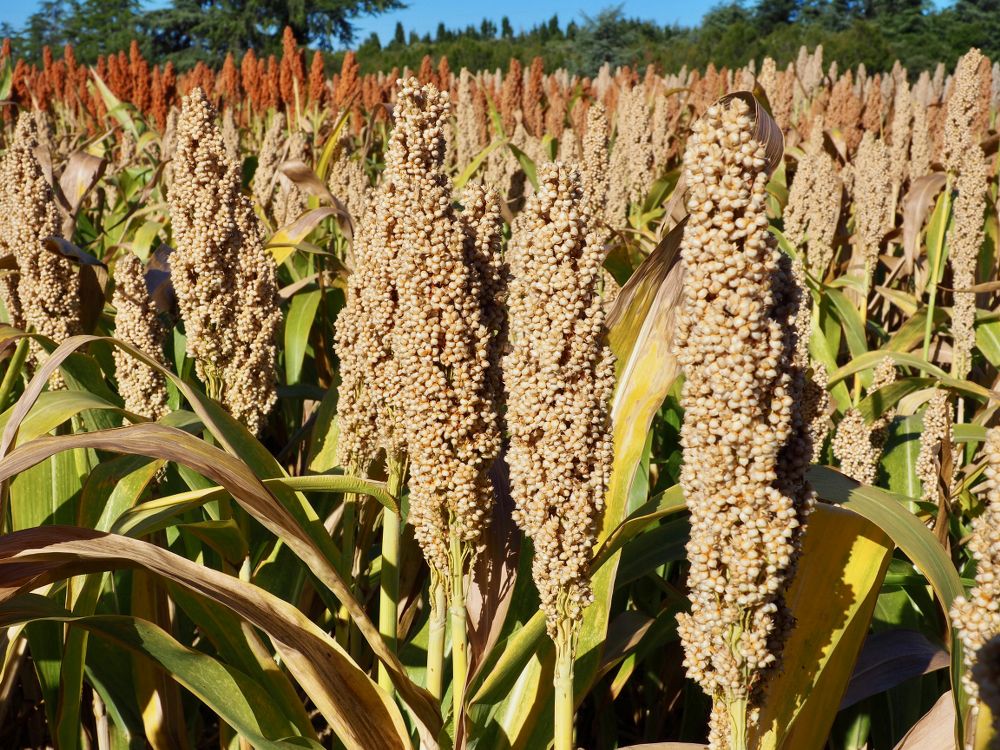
745	445
436	637
559	375
388	609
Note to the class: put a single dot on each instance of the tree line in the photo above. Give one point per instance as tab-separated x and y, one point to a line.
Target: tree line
873	32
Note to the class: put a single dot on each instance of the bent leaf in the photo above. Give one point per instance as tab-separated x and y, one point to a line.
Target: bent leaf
342	691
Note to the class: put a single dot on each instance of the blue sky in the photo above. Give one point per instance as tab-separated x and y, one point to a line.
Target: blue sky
423	16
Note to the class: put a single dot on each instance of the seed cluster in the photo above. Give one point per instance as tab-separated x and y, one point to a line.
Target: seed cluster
47	295
745	446
223	275
348	181
813	208
858	444
936	429
594	175
873	200
441	339
559	375
290	199
631	166
967	163
137	323
976	617
419	339
270	156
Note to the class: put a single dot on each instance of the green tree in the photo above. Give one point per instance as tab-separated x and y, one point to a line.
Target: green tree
46	27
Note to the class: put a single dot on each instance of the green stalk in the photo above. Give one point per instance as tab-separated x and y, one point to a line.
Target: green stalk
348	523
435	641
936	270
863	312
388	610
13	371
737	708
459	637
563	683
6	388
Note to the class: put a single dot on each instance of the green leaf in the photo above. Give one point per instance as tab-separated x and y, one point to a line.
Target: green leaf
466	174
341	690
850	319
239	701
116	108
527	164
298	323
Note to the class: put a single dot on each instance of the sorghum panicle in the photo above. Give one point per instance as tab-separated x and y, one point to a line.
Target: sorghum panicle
559	375
976	617
441	340
137	323
47	298
936	429
858	444
966	164
745	447
223	275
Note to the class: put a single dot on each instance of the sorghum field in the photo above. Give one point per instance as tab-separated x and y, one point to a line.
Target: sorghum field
498	410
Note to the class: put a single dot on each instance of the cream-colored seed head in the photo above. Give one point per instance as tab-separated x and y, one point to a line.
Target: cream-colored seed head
467	143
424	312
816	410
569	147
813	208
966	163
631	165
858	444
270	156
902	115
559	375
223	275
137	323
290	200
594	177
976	617
348	180
936	429
47	298
231	136
920	142
745	443
873	200
251	377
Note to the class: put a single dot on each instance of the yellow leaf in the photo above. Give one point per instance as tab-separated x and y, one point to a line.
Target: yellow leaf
833	594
